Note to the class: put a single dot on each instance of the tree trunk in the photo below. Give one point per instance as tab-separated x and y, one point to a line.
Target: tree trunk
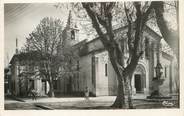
51	91
120	98
116	52
129	87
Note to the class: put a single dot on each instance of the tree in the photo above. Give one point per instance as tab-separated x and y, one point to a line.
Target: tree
101	15
170	36
55	57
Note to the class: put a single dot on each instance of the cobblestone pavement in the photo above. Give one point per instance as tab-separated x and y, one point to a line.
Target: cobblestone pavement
76	103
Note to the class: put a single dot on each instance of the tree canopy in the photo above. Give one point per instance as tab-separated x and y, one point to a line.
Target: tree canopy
57	59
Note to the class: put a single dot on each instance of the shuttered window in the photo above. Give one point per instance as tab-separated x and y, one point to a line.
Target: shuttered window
106	69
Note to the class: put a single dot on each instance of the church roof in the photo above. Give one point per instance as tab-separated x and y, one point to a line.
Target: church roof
87	47
31	56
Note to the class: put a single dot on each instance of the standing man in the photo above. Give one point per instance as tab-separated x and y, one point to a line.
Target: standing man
87	93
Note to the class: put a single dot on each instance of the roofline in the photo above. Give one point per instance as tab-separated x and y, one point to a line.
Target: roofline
169	57
159	36
124	27
14	56
19	54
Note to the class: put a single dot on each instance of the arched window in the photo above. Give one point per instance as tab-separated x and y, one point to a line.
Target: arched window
147	50
73	35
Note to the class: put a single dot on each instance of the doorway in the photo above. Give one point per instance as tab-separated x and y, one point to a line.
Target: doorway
69	85
44	87
138	83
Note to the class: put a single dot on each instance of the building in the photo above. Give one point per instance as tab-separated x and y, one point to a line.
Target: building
7	77
98	75
96	71
25	75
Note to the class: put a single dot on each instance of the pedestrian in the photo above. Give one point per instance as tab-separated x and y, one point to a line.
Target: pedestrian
87	93
33	93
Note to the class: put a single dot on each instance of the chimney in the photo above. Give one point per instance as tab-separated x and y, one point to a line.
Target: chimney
16	51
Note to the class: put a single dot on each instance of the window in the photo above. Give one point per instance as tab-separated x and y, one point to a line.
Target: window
147	48
78	65
55	84
73	35
93	69
18	70
106	69
166	72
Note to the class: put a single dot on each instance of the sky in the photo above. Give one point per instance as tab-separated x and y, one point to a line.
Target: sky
21	19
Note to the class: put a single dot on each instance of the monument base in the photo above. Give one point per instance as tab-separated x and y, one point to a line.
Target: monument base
157	95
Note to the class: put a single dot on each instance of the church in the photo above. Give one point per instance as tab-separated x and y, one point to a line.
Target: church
96	71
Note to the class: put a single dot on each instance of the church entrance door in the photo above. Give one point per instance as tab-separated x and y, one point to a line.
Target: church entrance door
138	83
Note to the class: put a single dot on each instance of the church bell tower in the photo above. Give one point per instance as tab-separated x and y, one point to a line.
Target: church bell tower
16	50
71	31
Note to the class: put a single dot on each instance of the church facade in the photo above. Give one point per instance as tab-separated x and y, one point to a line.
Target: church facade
96	71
